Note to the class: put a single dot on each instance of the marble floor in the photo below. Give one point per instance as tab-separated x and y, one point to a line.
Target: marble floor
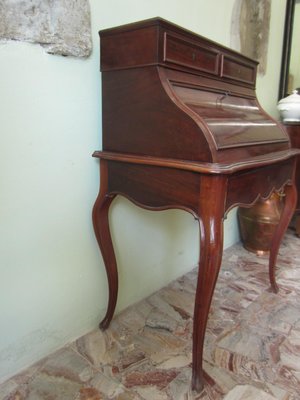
252	348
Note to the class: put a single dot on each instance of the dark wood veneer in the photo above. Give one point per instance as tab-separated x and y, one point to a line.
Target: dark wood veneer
182	128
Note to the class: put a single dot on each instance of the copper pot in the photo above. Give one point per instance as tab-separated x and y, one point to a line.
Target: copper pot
258	223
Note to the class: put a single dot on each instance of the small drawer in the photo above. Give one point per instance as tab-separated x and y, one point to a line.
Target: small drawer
187	54
238	71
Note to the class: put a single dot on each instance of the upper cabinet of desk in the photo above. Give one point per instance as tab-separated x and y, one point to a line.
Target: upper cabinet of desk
168	92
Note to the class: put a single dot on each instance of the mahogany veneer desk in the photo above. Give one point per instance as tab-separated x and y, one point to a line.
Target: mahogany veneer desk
182	128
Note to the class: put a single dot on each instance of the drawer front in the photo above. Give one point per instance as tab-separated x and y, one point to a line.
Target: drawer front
191	55
234	69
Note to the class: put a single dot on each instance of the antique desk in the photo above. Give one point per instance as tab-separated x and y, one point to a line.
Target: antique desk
293	130
182	128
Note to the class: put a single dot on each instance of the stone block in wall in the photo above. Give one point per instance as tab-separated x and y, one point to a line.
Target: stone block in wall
250	29
60	26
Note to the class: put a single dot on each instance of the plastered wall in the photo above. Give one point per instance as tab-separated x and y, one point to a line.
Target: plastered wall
53	285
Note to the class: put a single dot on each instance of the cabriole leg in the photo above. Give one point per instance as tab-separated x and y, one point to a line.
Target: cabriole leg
211	248
102	232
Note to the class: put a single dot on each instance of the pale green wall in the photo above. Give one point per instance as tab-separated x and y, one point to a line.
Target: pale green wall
267	85
53	286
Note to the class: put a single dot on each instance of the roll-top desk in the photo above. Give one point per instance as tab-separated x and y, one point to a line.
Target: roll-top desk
182	128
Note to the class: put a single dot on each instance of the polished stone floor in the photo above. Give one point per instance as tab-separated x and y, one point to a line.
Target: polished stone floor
252	348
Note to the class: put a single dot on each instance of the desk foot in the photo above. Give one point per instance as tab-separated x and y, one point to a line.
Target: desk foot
104	324
197	383
286	215
274	287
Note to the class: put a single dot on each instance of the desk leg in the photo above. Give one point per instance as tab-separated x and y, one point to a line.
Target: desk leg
102	232
211	248
286	215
